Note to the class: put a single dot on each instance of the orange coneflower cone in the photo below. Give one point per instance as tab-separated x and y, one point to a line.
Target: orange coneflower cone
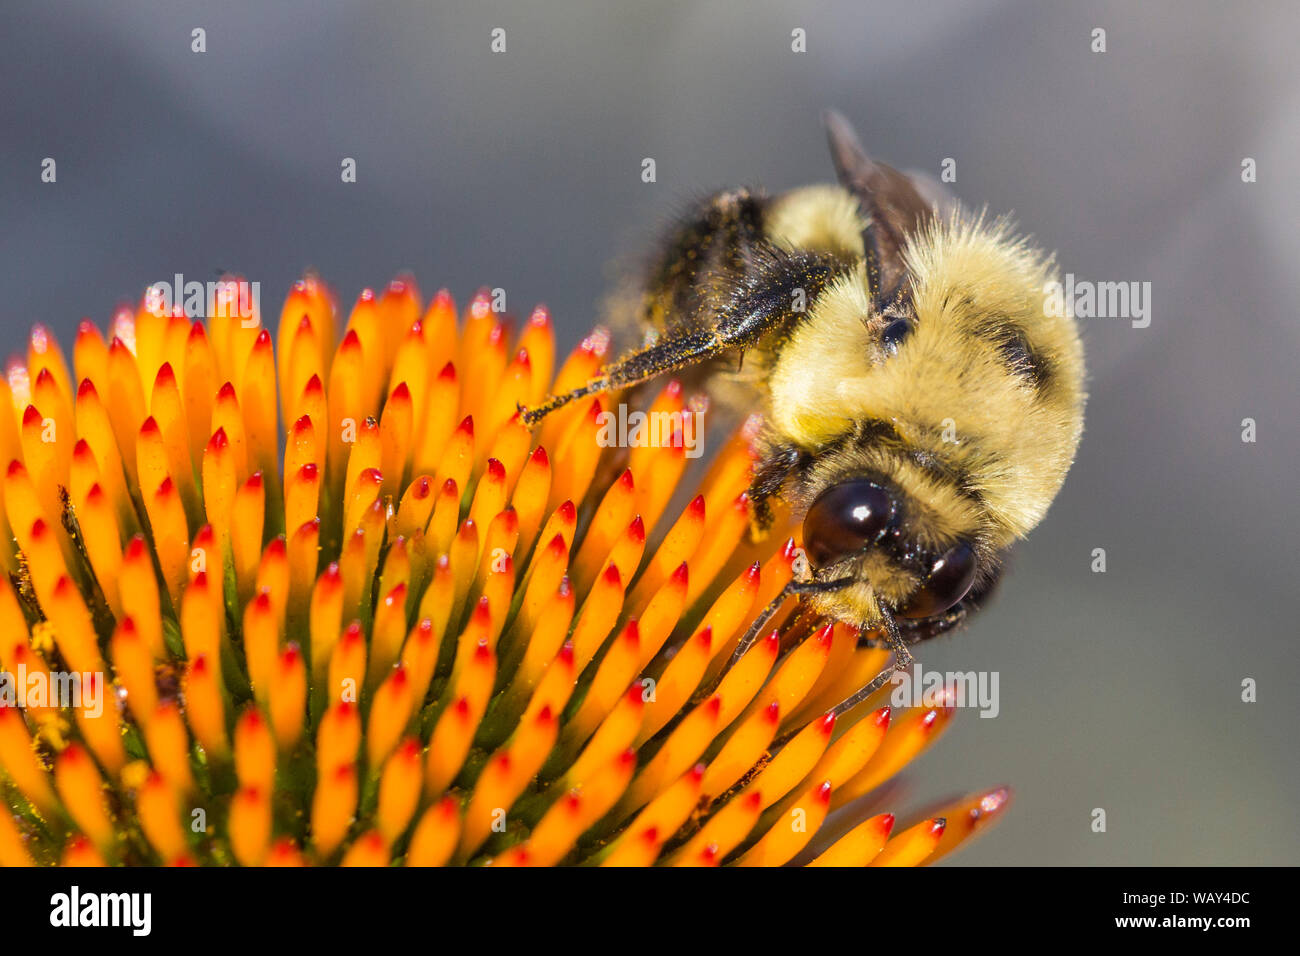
340	606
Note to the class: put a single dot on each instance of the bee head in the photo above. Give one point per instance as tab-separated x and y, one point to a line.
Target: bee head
855	530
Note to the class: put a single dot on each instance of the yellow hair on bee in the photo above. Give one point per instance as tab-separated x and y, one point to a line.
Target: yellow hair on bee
836	344
818	218
1015	435
995	441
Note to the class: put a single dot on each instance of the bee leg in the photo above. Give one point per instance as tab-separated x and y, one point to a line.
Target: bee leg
765	302
765	615
770	476
665	355
903	659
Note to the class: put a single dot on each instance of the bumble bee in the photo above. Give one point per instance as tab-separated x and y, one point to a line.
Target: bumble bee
921	405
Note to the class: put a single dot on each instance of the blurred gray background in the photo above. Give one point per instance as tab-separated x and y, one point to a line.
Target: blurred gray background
522	170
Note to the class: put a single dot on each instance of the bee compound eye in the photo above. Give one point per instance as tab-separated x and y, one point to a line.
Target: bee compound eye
894	334
844	519
951	576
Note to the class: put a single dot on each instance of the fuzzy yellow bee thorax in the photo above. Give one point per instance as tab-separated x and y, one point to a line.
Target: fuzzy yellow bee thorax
949	396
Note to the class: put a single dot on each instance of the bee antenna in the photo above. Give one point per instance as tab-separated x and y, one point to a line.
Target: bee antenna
751	635
891	628
902	659
765	615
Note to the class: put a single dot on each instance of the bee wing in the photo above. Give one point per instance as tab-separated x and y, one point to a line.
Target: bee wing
943	201
893	201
